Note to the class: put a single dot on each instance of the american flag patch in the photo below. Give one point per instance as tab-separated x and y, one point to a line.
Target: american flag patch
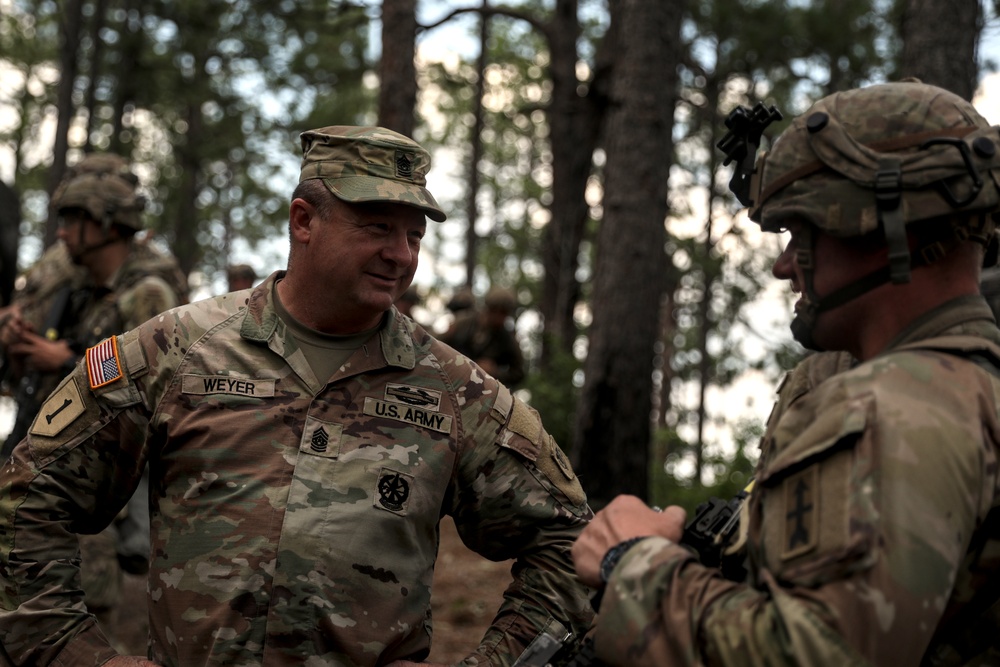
102	363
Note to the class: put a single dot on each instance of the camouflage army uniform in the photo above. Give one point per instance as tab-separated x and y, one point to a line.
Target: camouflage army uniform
874	522
806	376
148	283
294	522
868	513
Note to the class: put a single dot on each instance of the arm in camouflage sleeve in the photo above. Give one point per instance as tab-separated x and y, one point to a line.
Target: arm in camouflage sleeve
72	474
516	497
859	522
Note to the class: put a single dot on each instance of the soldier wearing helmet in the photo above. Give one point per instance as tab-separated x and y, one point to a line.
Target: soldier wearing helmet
486	335
872	532
96	281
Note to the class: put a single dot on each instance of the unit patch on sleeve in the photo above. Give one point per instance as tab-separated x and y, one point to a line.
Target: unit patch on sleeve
103	365
60	410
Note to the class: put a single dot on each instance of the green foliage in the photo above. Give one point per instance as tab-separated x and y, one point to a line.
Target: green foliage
729	468
207	97
554	394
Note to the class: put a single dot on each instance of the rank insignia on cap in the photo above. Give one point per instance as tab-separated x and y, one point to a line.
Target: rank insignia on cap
103	366
404	165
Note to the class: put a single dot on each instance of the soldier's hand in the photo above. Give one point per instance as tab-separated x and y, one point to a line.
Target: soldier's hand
130	661
11	325
41	353
625	517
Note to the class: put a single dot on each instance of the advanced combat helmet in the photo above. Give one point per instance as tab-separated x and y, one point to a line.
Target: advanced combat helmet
878	159
103	185
501	298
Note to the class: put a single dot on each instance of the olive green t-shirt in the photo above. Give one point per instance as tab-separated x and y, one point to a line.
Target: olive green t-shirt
325	352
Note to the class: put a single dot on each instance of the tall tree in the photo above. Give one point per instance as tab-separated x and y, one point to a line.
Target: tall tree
397	96
70	33
940	41
613	425
576	56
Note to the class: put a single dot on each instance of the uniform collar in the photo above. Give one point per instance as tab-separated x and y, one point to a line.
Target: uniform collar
965	314
261	322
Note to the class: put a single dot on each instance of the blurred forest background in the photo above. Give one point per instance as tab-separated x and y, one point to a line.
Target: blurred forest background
574	152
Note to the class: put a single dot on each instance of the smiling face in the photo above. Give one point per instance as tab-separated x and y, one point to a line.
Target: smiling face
354	262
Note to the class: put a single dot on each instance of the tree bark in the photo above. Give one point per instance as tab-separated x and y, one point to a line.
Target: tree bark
575	121
940	40
68	48
613	429
397	96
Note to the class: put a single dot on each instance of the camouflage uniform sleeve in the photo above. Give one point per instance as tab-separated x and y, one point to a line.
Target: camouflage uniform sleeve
146	299
858	524
516	497
80	462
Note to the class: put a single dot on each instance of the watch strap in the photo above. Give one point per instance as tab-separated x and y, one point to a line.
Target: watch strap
614	554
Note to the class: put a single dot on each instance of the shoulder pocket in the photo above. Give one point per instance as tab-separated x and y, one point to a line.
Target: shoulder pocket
818	492
525	435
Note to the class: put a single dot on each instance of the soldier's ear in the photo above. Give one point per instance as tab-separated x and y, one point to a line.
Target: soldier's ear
300	216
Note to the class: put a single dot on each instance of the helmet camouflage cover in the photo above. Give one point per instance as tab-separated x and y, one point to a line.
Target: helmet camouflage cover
102	185
907	146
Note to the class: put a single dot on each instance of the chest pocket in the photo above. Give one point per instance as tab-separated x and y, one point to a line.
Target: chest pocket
818	495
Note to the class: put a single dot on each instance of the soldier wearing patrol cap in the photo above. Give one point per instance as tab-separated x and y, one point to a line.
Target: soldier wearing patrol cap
873	527
304	440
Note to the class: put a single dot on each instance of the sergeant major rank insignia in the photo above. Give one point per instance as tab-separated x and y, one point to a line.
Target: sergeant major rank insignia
404	164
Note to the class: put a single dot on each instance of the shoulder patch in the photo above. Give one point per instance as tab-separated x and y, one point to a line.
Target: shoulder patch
526	435
59	410
103	364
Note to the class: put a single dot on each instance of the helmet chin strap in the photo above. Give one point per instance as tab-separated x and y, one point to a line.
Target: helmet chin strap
812	304
83	249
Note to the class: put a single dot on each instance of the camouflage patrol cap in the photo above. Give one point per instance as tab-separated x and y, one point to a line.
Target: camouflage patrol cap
103	185
368	164
925	144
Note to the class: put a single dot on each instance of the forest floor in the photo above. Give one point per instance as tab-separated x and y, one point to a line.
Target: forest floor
467	591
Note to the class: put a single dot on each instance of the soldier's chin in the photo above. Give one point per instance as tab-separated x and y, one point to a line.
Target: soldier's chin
802	331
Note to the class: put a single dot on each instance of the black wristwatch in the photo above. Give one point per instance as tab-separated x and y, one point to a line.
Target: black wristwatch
615	553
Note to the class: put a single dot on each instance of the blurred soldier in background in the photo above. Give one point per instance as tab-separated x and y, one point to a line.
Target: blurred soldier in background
487	336
461	302
95	282
240	276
